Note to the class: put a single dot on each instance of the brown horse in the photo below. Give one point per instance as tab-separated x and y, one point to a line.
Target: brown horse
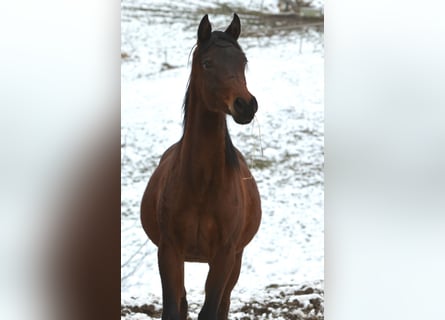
201	203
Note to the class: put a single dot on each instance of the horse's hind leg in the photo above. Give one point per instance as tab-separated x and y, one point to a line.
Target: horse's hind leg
219	273
171	269
223	311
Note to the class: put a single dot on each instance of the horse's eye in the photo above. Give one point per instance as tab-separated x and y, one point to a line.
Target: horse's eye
206	64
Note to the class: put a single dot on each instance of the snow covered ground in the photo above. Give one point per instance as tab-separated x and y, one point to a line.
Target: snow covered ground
284	147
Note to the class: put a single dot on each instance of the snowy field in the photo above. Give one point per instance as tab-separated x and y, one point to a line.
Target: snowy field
283	265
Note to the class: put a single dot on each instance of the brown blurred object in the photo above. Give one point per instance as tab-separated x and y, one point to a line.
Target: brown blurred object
85	265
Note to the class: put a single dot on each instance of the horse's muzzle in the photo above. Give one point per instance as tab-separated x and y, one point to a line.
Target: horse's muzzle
244	111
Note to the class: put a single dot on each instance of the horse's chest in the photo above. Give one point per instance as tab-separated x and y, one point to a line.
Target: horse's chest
203	228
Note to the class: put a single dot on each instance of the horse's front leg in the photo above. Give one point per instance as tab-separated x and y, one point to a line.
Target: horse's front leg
171	269
224	307
221	267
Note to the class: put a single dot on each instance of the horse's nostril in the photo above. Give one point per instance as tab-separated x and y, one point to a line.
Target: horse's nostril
238	105
245	108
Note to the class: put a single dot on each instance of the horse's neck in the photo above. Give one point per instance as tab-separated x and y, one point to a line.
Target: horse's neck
204	145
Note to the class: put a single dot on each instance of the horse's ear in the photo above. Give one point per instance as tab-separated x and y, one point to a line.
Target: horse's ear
204	29
235	27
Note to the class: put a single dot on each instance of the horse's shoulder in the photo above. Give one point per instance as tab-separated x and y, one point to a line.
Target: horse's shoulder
243	166
240	156
170	151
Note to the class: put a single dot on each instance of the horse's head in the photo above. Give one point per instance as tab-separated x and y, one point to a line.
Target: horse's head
218	68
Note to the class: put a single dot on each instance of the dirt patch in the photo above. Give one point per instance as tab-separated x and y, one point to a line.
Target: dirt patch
149	309
291	302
